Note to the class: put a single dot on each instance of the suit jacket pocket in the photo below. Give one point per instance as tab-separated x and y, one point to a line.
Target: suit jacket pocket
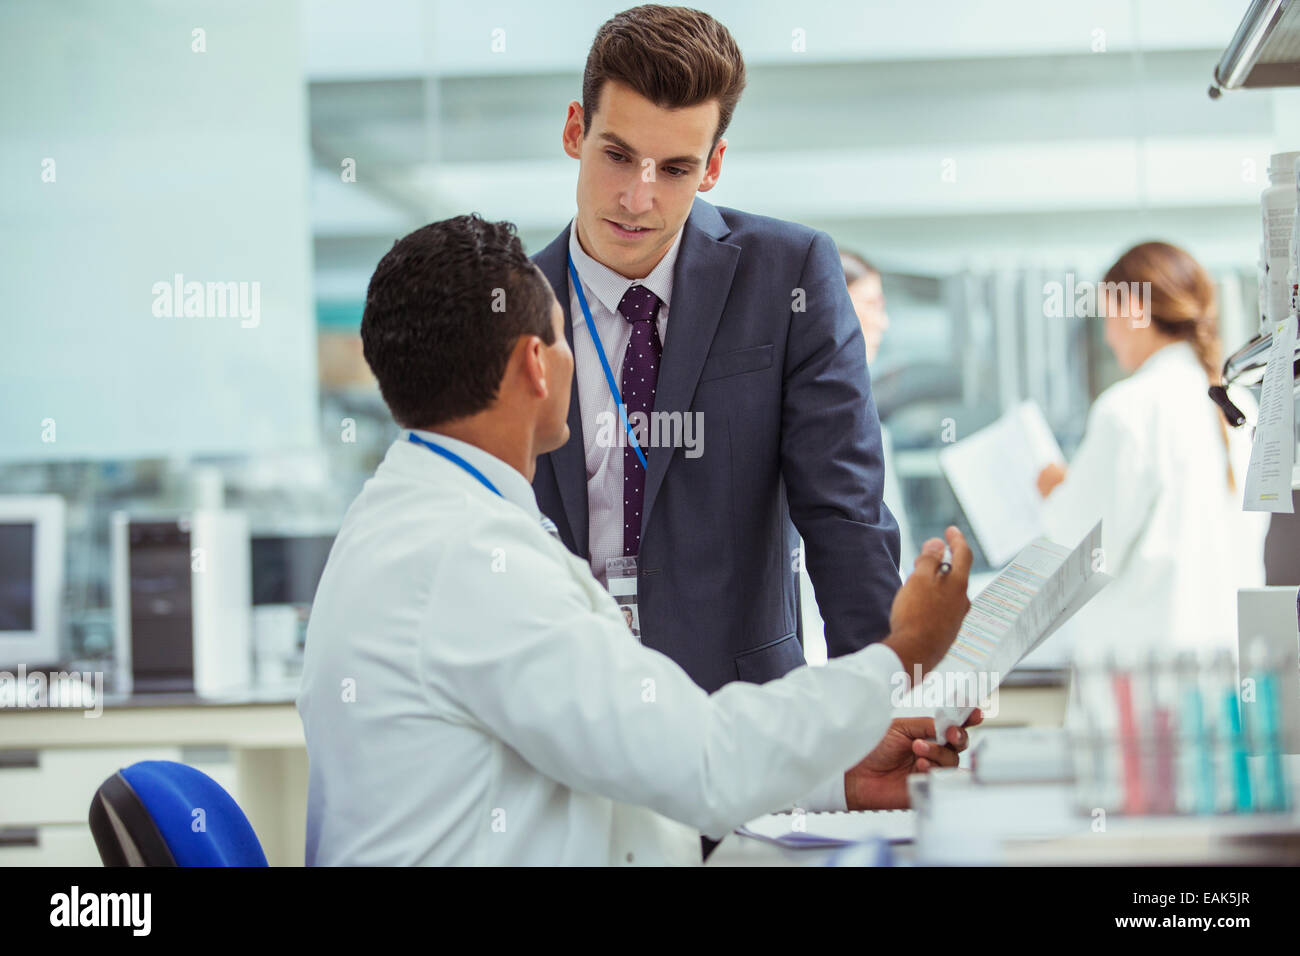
770	661
737	362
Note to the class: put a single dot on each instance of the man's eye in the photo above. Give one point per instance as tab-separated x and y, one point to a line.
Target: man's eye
676	171
616	157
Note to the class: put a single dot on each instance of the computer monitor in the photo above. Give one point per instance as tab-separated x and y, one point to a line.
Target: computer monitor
286	570
31	579
287	567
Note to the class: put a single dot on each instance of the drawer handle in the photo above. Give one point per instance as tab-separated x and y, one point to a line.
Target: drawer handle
19	836
19	759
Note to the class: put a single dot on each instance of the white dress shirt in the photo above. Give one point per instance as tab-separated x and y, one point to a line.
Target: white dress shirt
604	289
472	695
1152	466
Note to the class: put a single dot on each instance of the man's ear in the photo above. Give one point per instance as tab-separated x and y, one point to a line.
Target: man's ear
713	171
571	137
533	365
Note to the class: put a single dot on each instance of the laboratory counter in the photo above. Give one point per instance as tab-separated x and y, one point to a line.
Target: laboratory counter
53	759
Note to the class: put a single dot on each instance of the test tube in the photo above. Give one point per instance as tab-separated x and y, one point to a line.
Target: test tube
1196	778
1259	706
1089	738
1158	720
1232	740
1130	745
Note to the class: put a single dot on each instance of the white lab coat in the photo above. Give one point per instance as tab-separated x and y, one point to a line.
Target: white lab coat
472	695
1152	466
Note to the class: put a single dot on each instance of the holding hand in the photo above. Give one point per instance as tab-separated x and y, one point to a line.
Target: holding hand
879	781
929	607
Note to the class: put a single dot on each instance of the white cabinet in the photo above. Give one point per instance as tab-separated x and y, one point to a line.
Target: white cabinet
52	763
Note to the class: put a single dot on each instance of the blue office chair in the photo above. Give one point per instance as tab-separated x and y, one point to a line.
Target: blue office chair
149	815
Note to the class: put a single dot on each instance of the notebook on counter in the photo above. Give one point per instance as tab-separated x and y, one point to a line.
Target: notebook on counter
831	829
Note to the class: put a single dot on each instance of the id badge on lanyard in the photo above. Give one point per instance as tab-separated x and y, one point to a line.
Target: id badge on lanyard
620	575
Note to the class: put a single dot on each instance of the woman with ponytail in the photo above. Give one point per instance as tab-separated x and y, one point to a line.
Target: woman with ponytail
1161	469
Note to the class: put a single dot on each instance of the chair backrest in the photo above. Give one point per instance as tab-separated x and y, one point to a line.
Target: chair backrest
162	813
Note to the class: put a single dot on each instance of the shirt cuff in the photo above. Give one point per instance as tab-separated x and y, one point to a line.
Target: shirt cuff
829	794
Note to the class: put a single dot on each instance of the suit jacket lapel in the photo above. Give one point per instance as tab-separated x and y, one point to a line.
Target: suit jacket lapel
701	284
568	461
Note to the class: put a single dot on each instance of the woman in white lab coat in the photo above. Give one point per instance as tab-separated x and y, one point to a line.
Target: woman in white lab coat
1162	470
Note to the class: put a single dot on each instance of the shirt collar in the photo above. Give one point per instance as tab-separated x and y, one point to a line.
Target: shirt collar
609	287
513	486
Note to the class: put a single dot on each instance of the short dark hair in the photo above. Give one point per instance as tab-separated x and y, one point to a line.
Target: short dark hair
673	56
443	312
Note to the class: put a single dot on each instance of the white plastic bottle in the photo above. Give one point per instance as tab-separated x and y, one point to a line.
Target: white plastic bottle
1278	208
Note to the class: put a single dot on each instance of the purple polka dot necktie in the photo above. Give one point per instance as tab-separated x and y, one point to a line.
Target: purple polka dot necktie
639	306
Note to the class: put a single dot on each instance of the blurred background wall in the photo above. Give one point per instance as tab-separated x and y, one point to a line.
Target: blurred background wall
140	142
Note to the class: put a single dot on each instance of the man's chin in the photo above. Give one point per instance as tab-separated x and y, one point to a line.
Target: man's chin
557	441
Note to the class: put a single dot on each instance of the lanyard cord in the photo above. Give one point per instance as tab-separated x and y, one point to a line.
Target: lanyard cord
604	363
455	459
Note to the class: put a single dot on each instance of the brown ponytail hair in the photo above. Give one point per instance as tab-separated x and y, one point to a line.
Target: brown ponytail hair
1183	305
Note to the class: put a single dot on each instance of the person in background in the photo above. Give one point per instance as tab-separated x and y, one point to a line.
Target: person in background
867	293
1160	467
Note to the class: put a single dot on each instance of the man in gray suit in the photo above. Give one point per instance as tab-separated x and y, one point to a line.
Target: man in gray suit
730	342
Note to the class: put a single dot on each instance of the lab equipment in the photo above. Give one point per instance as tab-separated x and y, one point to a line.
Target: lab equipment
1176	732
1261	362
286	568
1260	686
961	821
1269	478
1268	637
181	603
31	579
1022	755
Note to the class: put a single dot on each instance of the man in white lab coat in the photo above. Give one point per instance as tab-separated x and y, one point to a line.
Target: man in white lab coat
471	693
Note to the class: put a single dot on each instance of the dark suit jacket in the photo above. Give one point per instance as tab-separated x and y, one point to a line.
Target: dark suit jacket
790	431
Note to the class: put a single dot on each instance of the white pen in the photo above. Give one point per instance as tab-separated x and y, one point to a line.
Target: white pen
946	564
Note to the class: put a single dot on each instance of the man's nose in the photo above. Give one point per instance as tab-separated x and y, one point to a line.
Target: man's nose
639	198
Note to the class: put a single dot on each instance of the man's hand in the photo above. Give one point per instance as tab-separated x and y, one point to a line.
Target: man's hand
929	607
879	781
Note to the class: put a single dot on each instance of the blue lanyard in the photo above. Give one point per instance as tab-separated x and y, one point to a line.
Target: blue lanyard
455	459
604	363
